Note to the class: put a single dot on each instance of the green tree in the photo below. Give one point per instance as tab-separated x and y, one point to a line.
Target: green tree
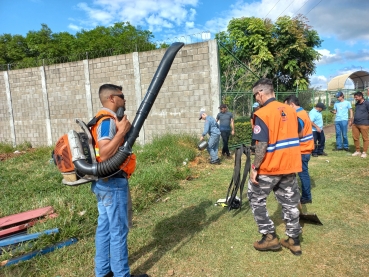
283	51
51	47
12	48
40	43
122	37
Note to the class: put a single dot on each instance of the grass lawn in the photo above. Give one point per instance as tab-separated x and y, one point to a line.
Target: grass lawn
182	233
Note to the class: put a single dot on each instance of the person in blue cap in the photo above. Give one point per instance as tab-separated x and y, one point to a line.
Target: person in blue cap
211	128
341	109
255	107
316	118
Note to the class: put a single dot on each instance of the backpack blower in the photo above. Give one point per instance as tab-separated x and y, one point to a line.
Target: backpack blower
74	153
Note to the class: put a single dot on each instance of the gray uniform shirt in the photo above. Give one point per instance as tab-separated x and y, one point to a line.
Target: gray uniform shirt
225	121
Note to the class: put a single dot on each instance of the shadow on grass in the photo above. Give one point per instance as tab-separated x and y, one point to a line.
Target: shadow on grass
175	232
351	148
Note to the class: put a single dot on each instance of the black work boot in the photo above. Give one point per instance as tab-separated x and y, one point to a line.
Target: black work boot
140	275
293	244
268	242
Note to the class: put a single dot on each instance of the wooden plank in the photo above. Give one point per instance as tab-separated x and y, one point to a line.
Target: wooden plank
25	216
24	226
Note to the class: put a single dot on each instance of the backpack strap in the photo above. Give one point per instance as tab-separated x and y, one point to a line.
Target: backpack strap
96	119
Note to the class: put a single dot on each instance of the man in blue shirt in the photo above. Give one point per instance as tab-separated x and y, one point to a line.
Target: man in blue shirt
341	108
318	133
211	128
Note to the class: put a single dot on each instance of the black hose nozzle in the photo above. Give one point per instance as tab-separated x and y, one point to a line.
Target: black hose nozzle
110	166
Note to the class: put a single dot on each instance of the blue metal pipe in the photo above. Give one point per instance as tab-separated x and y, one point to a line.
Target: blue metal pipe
43	251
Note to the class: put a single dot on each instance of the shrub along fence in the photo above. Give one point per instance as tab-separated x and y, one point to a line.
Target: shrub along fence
243	130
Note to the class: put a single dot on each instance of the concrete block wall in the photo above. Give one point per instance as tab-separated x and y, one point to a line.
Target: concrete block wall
5	118
185	91
27	106
45	101
65	84
116	70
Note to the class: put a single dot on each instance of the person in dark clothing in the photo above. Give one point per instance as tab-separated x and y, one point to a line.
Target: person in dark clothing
360	124
317	121
226	126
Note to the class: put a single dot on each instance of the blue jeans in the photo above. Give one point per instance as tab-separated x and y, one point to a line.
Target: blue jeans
305	178
319	141
213	144
341	134
112	227
225	137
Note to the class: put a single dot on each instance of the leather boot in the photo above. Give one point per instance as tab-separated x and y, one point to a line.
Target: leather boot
293	244
268	242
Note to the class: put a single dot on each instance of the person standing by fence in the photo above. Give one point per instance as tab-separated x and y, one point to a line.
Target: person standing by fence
226	126
341	108
360	124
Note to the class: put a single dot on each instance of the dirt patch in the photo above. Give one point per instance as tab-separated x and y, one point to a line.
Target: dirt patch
329	129
5	156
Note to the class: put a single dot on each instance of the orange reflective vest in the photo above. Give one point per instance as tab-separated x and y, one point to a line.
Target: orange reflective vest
283	155
129	165
307	140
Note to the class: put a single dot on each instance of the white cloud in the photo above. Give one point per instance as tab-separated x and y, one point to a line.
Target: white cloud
74	27
190	24
192	14
361	55
157	23
328	57
99	16
347	20
153	14
318	82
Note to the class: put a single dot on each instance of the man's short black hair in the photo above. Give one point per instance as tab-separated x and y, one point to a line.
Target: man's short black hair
109	87
292	99
263	82
359	93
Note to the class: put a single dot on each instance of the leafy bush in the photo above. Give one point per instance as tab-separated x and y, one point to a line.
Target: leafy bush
328	117
242	119
243	134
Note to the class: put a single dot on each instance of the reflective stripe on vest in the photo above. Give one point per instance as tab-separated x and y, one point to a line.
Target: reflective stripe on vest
283	144
307	140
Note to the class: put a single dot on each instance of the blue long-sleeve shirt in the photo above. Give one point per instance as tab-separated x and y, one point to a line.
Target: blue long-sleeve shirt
210	127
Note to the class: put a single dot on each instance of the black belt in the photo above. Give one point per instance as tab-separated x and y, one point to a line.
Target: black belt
119	174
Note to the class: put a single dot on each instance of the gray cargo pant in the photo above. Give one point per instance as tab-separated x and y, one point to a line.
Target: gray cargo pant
286	191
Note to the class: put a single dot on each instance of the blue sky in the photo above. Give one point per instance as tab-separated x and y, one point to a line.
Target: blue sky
342	24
